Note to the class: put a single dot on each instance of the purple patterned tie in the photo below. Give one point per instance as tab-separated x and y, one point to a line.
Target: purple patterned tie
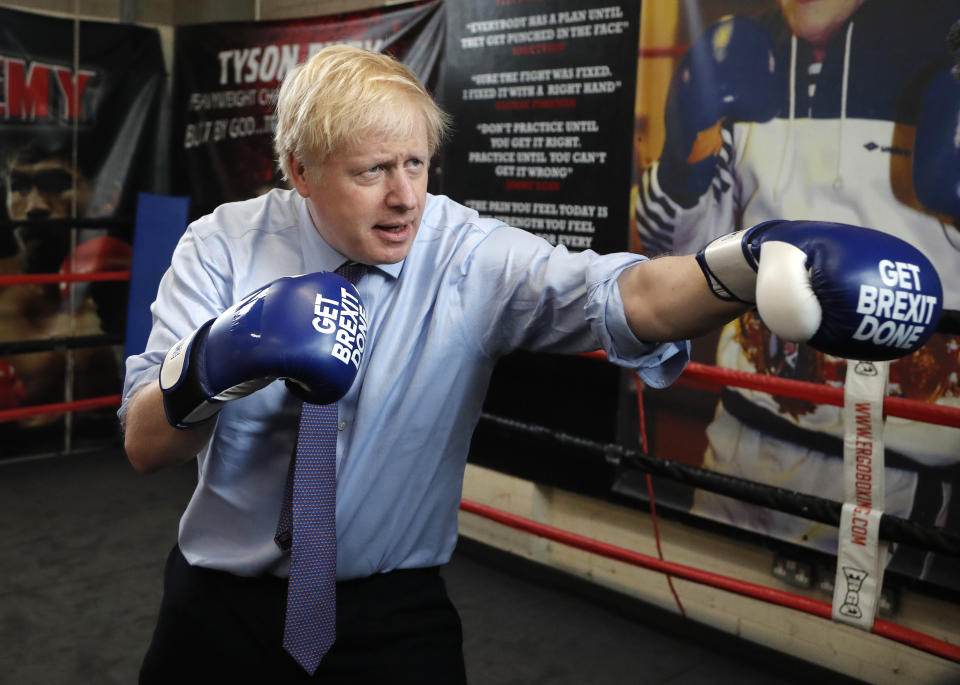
308	526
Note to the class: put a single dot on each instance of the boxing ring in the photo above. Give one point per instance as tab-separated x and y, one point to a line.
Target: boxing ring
51	344
892	528
696	375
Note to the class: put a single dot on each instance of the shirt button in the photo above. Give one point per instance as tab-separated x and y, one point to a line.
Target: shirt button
342	425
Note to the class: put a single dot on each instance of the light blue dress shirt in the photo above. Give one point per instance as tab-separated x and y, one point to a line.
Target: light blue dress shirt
470	290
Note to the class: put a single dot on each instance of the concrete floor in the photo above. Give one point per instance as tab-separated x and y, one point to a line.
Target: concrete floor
85	538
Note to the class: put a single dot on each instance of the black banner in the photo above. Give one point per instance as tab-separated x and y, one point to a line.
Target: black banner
543	104
228	76
542	96
79	108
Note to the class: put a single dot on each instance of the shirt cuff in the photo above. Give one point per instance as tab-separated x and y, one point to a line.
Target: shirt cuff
657	363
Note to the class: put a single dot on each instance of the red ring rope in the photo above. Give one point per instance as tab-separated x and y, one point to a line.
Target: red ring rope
34	279
815	392
705	376
816	607
20	413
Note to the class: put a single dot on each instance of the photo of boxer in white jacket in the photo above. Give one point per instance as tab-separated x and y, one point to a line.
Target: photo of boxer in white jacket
816	110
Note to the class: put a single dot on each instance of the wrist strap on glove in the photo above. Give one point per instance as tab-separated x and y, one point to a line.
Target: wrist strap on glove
185	399
730	268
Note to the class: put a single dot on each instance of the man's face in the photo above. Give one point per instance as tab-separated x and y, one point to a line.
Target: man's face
367	200
816	21
43	190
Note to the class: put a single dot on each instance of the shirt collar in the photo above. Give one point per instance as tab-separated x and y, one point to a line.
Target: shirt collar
319	256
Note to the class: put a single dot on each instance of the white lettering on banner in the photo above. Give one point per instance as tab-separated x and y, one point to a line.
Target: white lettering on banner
536	27
269	63
550	155
222	99
260	63
578	241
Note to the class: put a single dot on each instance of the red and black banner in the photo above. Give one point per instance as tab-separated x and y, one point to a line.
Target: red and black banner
227	77
85	92
79	123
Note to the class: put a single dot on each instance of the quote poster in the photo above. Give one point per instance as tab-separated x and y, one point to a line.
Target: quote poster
542	95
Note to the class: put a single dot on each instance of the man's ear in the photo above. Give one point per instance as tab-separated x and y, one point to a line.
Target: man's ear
298	175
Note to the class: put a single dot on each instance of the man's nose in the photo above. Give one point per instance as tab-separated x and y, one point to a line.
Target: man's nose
401	193
37	206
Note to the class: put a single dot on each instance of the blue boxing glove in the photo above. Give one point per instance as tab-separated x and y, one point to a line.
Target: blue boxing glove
728	73
936	152
309	330
848	291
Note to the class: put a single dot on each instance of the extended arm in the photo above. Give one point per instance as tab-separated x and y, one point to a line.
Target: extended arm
669	299
848	291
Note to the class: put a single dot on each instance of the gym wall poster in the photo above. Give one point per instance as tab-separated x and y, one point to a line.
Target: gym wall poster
79	122
753	110
227	76
542	96
542	100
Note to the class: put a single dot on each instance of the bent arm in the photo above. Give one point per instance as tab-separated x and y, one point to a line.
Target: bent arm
668	299
151	443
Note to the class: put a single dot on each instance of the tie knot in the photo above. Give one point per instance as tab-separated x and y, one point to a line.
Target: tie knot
352	271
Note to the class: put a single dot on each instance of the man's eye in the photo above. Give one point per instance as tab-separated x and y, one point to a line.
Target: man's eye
53	181
19	183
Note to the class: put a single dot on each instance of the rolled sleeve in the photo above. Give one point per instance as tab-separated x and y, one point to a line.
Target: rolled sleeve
658	364
139	373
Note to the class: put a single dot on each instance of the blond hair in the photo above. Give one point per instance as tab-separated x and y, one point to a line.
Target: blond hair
343	94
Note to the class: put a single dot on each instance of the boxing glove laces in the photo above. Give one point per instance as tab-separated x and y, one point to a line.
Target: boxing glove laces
309	330
848	291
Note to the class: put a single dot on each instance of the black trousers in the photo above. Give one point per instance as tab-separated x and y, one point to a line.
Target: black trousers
215	627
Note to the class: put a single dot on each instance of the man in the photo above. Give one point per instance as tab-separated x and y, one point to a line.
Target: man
42	184
820	101
447	292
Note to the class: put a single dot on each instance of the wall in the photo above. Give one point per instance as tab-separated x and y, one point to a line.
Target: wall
846	650
154	12
194	11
